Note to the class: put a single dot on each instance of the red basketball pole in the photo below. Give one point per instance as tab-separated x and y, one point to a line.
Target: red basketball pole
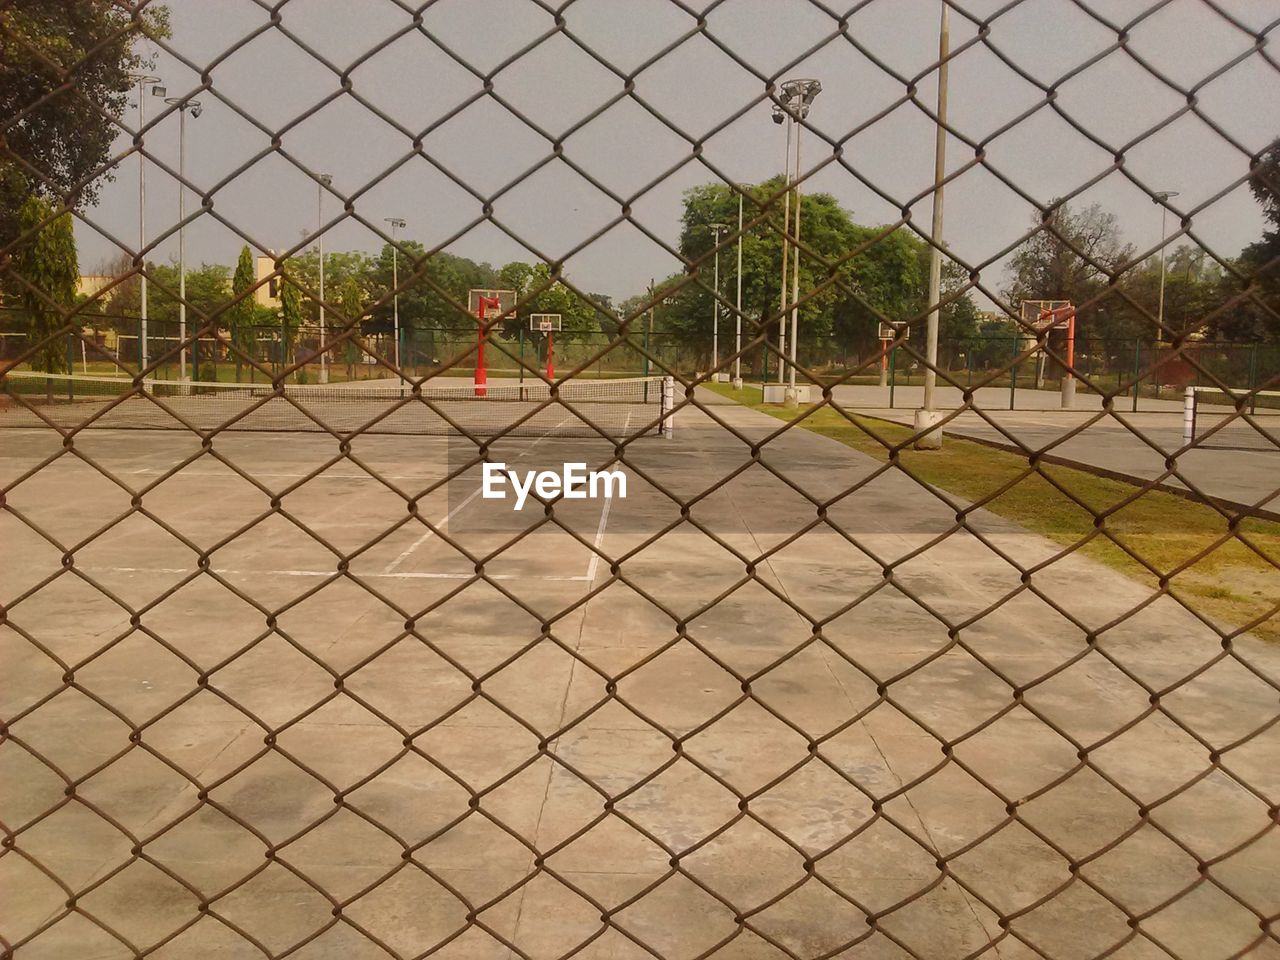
1071	341
551	352
482	375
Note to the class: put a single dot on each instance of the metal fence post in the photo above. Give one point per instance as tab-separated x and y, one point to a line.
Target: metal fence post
893	374
1013	374
1137	367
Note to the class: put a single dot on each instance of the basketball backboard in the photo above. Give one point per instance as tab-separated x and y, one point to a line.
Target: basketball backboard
891	331
544	322
496	303
1040	315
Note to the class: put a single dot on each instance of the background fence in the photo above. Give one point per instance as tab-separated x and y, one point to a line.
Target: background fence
1131	367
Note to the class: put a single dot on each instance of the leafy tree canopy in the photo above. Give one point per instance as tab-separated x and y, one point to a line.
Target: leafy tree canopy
49	267
64	133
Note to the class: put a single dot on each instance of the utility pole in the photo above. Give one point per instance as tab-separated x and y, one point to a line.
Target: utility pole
716	230
143	82
325	180
737	344
1163	198
396	223
928	415
796	98
183	106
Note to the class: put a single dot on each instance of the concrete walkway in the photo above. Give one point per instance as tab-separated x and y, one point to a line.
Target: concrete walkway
1240	467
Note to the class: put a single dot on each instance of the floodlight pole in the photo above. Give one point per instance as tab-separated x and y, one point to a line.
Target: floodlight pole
183	106
143	82
786	250
794	102
737	345
396	223
1162	198
325	180
716	230
790	397
927	416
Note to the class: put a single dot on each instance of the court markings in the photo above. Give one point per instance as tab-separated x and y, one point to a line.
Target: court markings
179	571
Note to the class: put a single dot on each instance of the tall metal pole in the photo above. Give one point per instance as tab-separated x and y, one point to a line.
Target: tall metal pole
648	334
1164	235
786	230
182	243
791	398
183	106
737	344
142	225
325	180
926	417
396	223
716	230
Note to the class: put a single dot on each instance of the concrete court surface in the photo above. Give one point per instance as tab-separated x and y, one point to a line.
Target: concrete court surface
350	751
1239	467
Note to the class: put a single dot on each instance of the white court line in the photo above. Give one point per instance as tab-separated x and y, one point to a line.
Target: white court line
186	472
390	568
604	522
330	573
443	521
595	556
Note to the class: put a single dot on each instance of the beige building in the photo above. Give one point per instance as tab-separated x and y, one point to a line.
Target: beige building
267	295
91	285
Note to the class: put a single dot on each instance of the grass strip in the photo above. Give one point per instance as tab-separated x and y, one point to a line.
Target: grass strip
1231	585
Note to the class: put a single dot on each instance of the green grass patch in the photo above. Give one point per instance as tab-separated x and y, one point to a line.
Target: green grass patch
1231	584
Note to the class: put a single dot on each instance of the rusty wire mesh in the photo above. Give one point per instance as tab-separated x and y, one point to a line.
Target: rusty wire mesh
1066	764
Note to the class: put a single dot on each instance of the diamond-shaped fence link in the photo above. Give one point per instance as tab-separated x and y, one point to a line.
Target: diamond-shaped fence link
891	614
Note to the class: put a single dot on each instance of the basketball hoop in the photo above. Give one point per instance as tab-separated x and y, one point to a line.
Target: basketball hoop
547	324
486	305
1042	316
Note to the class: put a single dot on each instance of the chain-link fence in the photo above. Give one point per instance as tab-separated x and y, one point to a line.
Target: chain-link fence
379	601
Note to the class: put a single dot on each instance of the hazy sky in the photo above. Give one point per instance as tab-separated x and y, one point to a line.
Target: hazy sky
415	81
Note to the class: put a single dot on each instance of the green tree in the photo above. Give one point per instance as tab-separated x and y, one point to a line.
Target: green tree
1046	267
48	266
850	275
351	304
538	292
290	318
242	314
1257	314
66	131
1264	182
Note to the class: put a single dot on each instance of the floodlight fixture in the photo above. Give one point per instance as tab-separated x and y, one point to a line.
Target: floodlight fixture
802	93
186	103
159	90
396	222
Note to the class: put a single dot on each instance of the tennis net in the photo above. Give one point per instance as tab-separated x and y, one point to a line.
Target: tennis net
1236	419
617	409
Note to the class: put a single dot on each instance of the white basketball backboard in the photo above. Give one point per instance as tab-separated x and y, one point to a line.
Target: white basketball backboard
495	303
